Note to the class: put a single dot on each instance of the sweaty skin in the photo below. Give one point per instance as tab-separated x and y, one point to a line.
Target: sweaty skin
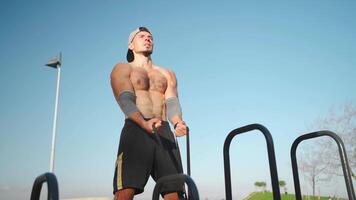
152	85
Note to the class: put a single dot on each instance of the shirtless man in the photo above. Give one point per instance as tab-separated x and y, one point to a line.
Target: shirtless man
147	95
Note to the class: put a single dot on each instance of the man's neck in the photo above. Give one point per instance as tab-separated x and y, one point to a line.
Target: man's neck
142	61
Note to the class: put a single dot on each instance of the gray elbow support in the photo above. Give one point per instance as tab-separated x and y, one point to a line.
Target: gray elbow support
173	108
127	102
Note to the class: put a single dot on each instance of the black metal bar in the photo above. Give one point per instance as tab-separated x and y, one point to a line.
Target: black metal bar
188	152
52	186
188	160
271	158
193	191
344	162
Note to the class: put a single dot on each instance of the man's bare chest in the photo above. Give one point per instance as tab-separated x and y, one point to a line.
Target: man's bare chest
151	80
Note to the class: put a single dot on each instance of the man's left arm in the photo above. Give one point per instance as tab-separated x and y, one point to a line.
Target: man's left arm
173	108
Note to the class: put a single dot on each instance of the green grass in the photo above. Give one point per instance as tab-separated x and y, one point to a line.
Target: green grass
269	196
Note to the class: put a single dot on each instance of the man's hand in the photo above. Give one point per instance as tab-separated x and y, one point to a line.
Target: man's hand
151	125
181	129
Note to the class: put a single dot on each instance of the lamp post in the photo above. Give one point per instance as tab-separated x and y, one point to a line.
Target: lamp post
55	63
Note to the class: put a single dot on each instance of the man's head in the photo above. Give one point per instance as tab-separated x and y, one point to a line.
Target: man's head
140	41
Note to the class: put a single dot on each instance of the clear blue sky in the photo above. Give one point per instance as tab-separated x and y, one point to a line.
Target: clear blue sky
279	63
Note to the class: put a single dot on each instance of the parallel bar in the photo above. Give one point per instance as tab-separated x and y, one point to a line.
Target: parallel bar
193	191
188	160
271	158
343	157
188	153
52	185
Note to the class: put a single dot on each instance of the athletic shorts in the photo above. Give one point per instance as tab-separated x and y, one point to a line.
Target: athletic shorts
142	154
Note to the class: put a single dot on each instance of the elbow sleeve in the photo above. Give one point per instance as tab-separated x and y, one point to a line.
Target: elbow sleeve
127	102
173	108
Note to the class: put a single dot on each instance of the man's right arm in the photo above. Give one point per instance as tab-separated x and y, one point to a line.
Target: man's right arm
125	96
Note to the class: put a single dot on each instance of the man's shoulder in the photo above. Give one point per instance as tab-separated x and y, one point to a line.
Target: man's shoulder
120	68
164	70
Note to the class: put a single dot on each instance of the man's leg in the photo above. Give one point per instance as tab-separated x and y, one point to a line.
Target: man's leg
125	194
171	196
168	162
134	161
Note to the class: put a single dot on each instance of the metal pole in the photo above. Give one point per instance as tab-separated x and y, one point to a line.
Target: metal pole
181	178
271	158
51	168
52	187
188	162
188	153
343	158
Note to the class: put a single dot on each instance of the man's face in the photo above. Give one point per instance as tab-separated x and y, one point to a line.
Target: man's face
142	42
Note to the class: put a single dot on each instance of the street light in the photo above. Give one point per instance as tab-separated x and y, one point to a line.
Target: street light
55	63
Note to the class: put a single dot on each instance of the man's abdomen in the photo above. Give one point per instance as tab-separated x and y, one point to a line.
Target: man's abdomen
150	104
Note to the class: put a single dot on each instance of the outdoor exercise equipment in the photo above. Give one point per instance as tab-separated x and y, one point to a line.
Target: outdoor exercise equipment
52	186
271	158
192	188
343	158
193	194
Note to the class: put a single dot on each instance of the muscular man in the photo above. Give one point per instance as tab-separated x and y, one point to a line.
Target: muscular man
147	95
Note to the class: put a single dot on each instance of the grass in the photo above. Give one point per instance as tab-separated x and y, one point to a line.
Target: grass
269	196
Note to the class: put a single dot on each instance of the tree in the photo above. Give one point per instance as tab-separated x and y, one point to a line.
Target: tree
312	165
320	159
261	184
342	121
283	184
264	186
258	184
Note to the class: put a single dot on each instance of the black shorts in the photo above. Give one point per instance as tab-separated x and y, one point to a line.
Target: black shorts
142	154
